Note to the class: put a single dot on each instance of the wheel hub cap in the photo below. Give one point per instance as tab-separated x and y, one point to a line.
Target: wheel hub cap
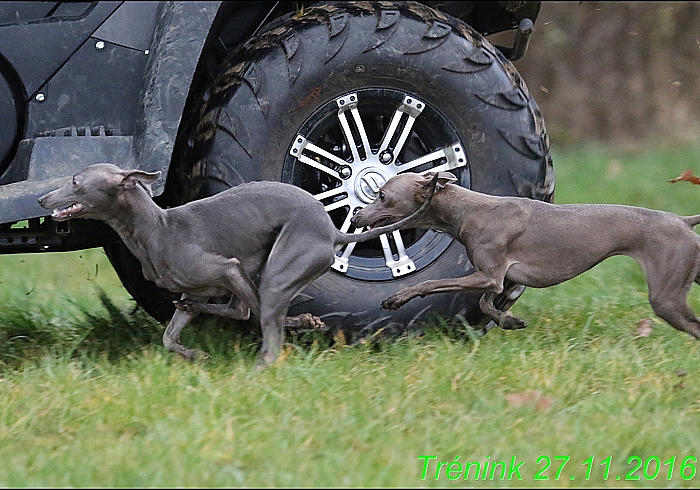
368	183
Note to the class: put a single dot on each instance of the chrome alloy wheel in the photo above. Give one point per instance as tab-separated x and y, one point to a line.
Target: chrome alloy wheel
349	147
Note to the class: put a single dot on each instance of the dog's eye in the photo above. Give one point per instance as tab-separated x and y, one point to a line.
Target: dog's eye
382	196
75	181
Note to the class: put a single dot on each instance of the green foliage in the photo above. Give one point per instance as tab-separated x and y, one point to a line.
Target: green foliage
89	397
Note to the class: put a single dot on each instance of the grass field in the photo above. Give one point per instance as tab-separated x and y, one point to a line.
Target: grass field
88	397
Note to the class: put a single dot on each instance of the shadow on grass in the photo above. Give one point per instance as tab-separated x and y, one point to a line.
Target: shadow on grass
113	332
116	332
22	336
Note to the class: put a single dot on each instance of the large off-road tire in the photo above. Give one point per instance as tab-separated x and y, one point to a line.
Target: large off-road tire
340	97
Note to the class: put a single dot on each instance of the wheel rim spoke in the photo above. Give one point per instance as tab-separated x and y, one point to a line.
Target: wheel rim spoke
403	264
349	138
361	129
391	129
454	158
336	191
342	261
346	224
301	144
412	108
436	155
337	204
349	103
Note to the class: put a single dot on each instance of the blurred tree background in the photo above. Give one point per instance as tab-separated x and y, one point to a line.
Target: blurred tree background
616	72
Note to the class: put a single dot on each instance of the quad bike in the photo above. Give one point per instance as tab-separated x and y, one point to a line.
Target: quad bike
333	97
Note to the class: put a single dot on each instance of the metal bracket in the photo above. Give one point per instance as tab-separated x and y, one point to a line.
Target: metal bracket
521	42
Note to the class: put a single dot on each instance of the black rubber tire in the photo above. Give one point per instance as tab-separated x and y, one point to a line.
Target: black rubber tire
269	87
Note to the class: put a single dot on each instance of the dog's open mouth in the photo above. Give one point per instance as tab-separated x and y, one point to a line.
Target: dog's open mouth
380	222
66	213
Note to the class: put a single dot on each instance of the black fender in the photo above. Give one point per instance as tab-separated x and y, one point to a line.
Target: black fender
181	31
45	162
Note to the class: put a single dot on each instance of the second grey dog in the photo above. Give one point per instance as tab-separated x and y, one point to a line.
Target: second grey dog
276	233
539	244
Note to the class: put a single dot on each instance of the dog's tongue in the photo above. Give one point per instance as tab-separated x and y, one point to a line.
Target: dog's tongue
67	212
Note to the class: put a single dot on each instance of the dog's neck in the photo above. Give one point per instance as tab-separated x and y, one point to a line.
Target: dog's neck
142	226
448	202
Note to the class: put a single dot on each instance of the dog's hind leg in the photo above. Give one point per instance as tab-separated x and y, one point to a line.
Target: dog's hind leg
678	314
235	309
670	303
668	291
242	286
171	337
229	275
286	273
503	320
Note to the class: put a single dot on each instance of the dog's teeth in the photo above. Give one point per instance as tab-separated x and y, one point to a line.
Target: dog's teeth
68	211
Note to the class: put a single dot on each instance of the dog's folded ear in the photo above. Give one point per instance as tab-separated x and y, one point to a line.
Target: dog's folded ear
132	178
440	180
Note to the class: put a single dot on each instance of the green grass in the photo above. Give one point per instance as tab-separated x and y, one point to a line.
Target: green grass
88	397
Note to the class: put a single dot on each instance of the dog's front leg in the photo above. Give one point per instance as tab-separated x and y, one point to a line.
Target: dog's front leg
478	281
171	337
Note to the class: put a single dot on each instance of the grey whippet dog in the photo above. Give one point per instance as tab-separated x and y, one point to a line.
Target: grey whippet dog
276	233
539	244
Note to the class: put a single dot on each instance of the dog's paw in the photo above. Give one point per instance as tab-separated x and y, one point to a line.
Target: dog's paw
184	305
396	300
260	365
305	321
512	323
237	310
193	355
313	322
241	312
200	355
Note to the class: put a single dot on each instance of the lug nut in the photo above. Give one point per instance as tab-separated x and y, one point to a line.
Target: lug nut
386	157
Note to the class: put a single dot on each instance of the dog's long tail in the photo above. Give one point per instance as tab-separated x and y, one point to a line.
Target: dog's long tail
691	221
346	238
